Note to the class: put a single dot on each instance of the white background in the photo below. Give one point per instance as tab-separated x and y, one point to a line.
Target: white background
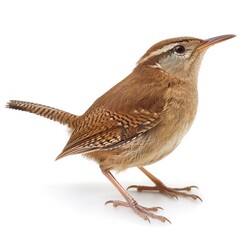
67	53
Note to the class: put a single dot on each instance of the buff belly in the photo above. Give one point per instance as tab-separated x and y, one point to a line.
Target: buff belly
147	149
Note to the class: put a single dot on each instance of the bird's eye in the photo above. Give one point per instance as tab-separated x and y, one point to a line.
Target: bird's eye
179	49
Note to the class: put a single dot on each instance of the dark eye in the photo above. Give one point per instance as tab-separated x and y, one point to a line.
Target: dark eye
179	49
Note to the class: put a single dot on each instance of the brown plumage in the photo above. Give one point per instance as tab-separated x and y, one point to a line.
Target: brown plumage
141	119
44	111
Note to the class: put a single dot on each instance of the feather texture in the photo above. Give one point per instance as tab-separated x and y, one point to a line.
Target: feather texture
107	130
44	111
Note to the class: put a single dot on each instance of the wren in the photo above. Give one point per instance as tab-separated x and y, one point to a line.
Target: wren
141	119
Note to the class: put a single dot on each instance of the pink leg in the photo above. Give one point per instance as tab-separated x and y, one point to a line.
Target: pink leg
159	186
141	211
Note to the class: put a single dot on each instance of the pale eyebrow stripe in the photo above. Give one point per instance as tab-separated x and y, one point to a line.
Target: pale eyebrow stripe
158	52
161	50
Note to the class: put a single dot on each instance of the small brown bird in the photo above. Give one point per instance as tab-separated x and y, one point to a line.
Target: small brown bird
141	119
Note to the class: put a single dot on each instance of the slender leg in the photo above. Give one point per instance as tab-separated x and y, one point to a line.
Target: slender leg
159	186
141	211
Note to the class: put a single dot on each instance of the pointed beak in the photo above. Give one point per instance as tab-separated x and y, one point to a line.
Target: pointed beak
211	41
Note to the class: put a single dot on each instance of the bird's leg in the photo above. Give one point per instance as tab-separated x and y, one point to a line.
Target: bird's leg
159	186
141	211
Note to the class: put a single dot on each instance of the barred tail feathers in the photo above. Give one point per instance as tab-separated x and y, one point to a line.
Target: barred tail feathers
44	111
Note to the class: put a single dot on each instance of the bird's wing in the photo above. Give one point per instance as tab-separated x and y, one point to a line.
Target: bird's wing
104	129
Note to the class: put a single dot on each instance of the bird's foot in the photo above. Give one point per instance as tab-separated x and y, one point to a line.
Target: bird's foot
141	211
171	192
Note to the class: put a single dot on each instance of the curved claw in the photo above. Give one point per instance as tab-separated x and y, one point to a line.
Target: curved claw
194	187
139	188
197	197
107	202
173	195
167	220
132	186
117	203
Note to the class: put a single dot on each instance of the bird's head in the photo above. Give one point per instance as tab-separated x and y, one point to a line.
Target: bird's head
180	57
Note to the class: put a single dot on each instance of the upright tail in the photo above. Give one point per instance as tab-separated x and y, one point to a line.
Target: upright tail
44	111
